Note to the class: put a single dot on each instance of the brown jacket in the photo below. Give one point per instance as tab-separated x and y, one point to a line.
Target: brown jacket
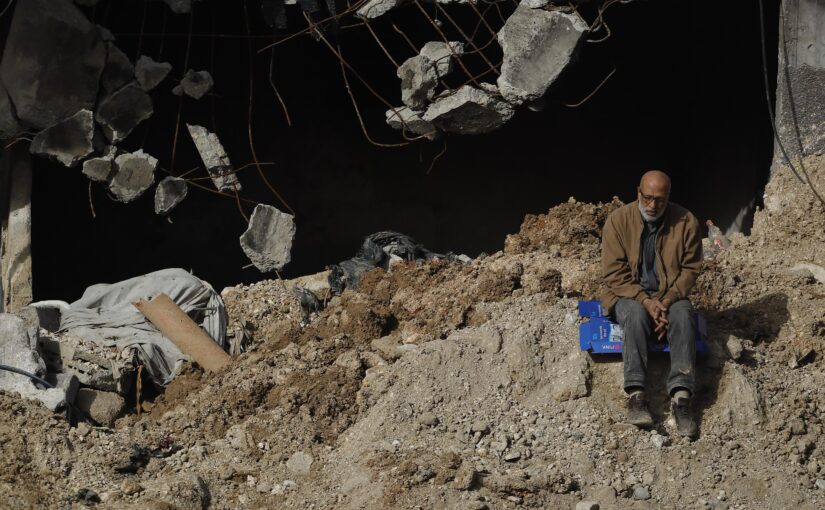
678	255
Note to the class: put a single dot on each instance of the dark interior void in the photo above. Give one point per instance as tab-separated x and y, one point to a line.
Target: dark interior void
687	97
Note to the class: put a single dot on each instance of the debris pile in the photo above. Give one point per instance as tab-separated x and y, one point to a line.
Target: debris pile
460	384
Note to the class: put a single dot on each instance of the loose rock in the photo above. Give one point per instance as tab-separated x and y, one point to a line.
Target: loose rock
468	111
214	158
149	73
194	84
101	406
299	463
134	173
268	240
122	111
169	193
418	81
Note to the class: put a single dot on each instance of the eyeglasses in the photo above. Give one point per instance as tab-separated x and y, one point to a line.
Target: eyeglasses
649	199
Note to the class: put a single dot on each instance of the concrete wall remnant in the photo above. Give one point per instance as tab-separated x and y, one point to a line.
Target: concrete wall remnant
55	74
68	141
537	46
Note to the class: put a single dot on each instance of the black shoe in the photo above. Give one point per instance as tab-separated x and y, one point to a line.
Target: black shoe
680	408
637	413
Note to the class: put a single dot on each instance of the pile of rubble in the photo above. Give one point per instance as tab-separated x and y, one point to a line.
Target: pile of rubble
449	384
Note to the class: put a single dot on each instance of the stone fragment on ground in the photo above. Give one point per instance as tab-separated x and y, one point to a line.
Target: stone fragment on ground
214	158
442	55
537	46
169	193
268	239
118	70
101	406
149	73
299	463
68	141
418	81
121	112
56	74
468	111
134	173
404	118
194	84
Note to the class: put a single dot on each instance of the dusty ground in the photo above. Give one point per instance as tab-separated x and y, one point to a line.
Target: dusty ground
443	385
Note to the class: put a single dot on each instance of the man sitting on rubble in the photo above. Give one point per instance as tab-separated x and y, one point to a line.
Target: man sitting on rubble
651	257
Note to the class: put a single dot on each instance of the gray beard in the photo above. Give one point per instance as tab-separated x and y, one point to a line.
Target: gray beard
649	218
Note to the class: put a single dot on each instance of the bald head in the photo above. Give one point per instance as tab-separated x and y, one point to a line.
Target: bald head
654	191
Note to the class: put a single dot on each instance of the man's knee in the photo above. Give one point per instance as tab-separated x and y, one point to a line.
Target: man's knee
680	313
630	312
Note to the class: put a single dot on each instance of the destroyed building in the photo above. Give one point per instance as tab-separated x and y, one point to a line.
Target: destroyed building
310	354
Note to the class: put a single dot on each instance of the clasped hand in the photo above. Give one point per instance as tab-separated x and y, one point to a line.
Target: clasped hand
658	312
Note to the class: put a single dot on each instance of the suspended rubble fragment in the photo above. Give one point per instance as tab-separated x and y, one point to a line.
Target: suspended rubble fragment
441	55
118	70
149	73
194	84
169	193
100	169
122	111
268	240
418	81
402	117
214	158
469	111
537	46
133	174
68	141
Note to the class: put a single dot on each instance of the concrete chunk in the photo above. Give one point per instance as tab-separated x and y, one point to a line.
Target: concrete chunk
376	8
441	55
52	62
68	141
118	70
268	240
418	81
214	158
101	406
169	193
468	111
299	463
149	73
122	111
100	169
537	46
194	84
402	117
134	173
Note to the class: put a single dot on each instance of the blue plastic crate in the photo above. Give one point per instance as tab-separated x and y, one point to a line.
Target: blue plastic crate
601	336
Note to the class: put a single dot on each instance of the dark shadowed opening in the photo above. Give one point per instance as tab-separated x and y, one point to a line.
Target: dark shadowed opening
687	97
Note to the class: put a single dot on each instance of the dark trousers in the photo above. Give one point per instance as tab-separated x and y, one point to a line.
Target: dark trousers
639	330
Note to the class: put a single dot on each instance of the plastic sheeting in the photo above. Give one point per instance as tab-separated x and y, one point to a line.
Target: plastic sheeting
105	315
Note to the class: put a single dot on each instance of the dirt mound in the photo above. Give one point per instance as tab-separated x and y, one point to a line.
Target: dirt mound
450	385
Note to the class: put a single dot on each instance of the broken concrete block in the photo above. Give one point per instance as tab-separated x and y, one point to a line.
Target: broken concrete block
299	463
214	158
468	111
376	8
9	125
441	54
101	406
418	81
118	70
68	141
97	169
537	46
134	173
194	84
169	193
65	391
56	74
268	240
16	351
149	73
122	111
404	118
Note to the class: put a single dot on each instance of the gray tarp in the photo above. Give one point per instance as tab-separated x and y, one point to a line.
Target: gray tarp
105	315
